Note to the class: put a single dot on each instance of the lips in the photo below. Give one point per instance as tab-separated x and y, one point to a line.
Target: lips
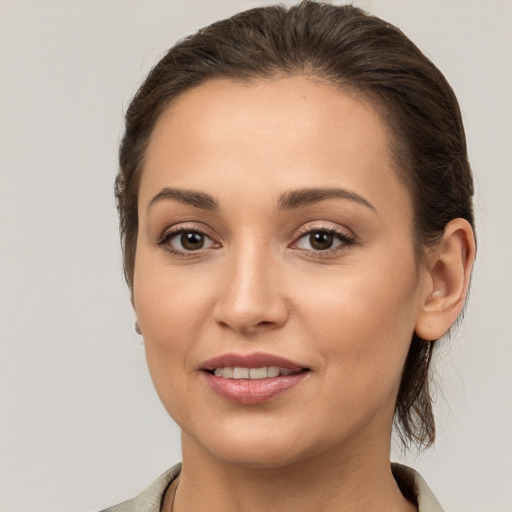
253	378
255	360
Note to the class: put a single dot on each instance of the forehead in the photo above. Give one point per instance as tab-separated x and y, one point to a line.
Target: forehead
281	133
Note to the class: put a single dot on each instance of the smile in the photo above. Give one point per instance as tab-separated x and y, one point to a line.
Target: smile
253	373
252	378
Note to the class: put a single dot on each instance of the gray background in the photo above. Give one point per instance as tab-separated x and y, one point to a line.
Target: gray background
80	425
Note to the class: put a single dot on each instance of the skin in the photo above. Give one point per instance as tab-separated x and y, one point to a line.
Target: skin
258	285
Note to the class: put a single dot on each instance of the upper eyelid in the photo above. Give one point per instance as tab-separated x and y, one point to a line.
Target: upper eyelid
323	226
183	227
306	228
164	240
345	235
303	230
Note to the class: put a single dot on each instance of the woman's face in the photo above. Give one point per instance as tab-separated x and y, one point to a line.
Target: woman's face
274	233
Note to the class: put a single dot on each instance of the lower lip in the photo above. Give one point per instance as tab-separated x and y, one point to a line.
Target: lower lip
252	391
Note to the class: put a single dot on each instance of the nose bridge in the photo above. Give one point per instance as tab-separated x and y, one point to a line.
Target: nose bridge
250	298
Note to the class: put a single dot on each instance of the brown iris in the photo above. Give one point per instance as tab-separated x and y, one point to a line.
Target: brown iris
321	240
192	241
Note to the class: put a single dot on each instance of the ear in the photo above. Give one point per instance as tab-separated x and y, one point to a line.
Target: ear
137	325
448	272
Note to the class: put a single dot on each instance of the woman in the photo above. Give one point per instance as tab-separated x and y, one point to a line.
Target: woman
296	218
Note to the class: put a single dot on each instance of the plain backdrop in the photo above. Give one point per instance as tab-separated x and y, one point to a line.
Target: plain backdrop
80	424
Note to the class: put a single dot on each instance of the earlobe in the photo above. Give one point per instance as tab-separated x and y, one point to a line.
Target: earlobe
137	325
449	271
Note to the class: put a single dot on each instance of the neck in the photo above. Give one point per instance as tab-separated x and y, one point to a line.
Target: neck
336	481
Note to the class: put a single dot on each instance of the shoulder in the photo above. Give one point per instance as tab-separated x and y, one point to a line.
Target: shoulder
150	499
415	488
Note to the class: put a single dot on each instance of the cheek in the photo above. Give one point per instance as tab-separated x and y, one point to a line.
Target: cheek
363	323
363	341
169	301
172	310
170	321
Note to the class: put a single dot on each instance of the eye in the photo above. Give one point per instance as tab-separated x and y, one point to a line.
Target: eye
187	241
322	240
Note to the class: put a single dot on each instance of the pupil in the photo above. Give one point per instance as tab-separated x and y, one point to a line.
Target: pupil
192	241
321	240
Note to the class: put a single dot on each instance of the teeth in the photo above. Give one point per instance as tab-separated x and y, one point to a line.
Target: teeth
227	372
272	371
240	373
253	373
258	373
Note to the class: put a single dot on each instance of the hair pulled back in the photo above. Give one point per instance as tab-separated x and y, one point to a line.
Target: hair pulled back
353	50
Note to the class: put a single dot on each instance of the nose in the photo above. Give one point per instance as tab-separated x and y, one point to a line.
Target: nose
250	299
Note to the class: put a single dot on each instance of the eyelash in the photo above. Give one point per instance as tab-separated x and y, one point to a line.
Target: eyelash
164	240
345	240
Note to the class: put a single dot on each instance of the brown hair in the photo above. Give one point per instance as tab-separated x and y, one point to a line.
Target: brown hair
351	49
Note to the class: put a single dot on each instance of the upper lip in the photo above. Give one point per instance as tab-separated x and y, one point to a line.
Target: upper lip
254	360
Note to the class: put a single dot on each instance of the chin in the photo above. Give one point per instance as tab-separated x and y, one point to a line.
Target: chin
261	445
256	456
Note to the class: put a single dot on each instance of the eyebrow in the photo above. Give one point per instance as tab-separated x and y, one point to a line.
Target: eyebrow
189	197
309	196
288	201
